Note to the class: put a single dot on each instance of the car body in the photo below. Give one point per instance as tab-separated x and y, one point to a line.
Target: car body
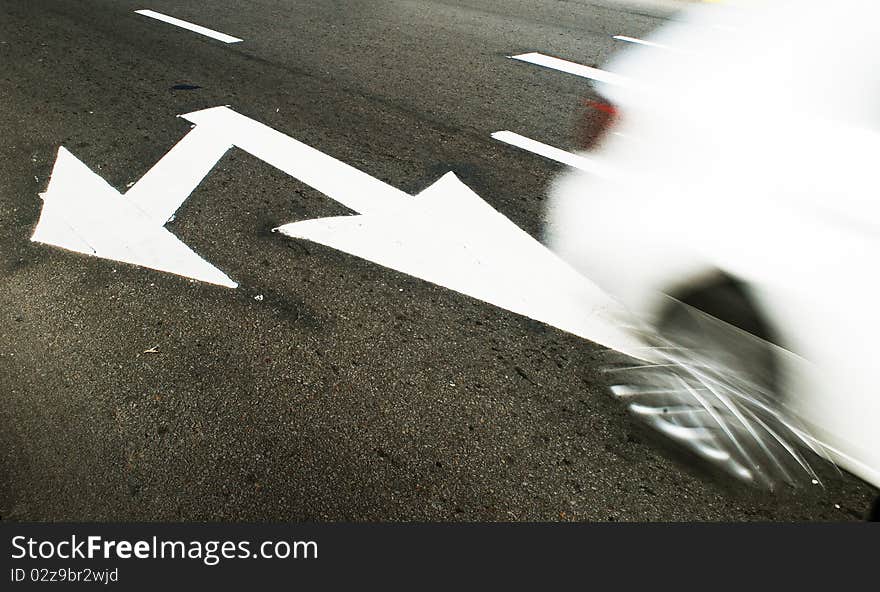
746	146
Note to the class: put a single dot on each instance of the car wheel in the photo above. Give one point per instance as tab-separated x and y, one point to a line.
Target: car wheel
711	384
742	342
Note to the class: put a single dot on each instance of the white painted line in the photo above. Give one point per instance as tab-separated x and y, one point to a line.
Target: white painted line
337	180
164	188
535	147
640	41
596	74
189	26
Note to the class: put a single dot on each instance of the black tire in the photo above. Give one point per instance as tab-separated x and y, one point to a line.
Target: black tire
743	342
712	385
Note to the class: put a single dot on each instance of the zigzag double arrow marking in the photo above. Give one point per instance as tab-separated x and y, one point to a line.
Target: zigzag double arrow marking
446	234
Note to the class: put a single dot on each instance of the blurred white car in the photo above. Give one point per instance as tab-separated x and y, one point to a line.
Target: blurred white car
743	150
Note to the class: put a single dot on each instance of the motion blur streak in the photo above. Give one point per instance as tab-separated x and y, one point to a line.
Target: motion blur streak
745	188
720	412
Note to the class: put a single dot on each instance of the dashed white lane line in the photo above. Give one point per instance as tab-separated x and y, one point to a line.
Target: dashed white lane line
546	61
189	26
547	151
640	41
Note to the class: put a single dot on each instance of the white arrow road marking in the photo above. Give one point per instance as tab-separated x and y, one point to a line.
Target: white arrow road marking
573	160
546	61
446	234
82	213
352	188
189	26
449	236
164	188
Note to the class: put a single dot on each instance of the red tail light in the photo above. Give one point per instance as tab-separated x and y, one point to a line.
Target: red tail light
597	119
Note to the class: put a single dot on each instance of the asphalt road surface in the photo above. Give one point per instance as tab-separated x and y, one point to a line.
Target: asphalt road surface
324	387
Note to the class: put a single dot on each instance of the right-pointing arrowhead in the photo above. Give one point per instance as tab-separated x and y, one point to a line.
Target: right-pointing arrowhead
83	213
449	236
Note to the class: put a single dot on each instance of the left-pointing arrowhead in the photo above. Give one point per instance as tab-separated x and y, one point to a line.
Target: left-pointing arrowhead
83	213
449	236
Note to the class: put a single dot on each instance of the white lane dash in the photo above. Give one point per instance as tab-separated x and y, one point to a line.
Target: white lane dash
189	26
540	59
547	151
639	41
